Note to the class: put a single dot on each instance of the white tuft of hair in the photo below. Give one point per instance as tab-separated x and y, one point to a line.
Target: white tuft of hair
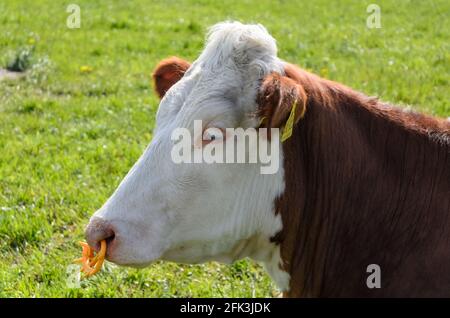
244	44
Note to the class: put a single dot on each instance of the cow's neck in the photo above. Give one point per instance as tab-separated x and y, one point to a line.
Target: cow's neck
359	177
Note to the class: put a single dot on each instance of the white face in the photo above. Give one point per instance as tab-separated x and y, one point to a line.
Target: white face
198	212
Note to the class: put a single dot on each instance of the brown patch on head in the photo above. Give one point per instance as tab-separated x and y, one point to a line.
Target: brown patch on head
276	97
168	72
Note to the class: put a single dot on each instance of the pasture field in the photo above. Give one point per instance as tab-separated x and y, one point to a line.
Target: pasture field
84	112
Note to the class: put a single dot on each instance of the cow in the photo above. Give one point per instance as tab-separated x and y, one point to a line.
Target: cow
361	182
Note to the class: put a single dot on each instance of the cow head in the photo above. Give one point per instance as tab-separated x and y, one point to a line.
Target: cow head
198	212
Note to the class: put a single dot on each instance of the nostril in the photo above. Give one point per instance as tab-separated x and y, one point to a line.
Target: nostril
110	239
98	230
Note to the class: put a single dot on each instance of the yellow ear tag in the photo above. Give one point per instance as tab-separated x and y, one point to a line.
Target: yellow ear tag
261	121
287	131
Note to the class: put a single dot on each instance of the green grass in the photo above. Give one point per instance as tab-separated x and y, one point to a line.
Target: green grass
67	136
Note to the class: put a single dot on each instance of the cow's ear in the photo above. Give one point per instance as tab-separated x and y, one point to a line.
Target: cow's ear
281	101
168	72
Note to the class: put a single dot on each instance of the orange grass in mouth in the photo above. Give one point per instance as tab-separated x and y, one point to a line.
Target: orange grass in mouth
91	264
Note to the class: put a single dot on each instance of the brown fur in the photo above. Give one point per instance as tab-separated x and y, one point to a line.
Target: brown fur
167	73
366	183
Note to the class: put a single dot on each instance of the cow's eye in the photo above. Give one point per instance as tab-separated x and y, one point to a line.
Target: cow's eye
212	134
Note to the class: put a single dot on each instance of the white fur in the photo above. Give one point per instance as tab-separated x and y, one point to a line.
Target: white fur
198	212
